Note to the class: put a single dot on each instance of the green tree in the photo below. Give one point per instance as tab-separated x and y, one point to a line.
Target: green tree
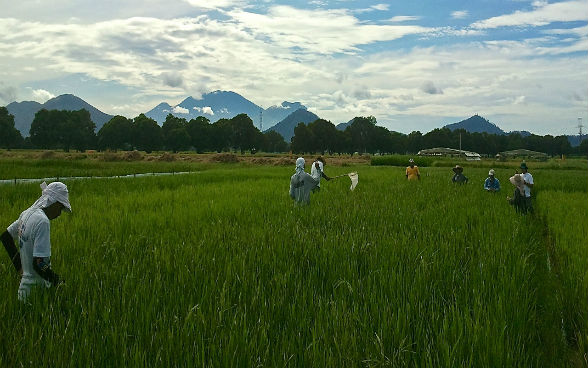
274	142
10	137
175	135
323	135
147	134
200	132
116	134
414	142
45	129
363	131
302	139
221	135
245	136
77	130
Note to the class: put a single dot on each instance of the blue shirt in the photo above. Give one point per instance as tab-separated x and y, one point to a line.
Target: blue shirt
488	184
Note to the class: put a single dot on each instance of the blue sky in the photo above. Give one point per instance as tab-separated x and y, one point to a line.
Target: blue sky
413	65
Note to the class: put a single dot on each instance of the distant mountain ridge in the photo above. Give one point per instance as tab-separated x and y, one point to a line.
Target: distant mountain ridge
476	124
286	126
224	104
24	112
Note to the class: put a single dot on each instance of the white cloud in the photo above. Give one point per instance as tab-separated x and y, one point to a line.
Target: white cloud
313	56
180	110
7	93
205	110
41	95
216	4
318	31
567	11
403	18
459	14
430	88
377	7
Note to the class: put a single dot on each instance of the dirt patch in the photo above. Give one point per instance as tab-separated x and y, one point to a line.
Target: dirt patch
45	155
167	157
226	158
133	156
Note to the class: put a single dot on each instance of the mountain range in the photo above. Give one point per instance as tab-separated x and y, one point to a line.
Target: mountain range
478	124
286	126
24	112
216	105
225	104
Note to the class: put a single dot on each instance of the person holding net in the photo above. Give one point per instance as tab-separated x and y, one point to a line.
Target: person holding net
317	172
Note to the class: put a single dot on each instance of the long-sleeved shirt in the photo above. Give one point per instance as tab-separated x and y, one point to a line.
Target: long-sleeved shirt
301	184
492	184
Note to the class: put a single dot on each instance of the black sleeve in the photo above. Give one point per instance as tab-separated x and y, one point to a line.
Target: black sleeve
43	268
11	250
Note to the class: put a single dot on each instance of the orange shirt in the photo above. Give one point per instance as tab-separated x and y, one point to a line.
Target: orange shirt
412	173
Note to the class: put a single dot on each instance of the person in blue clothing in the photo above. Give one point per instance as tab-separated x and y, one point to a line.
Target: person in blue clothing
491	184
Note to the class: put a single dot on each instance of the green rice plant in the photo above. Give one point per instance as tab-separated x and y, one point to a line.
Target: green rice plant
565	214
221	268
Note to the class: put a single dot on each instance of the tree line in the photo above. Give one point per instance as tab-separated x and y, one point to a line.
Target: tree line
61	129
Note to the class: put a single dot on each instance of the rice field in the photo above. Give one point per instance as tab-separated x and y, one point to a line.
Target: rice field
219	268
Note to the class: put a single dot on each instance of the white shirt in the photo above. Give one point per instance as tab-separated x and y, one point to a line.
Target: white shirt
528	179
316	175
32	230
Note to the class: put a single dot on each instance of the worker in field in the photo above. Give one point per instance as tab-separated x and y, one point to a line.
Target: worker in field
518	198
301	183
412	171
491	184
458	176
32	229
316	171
528	185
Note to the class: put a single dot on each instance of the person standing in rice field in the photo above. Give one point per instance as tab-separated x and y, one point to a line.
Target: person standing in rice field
412	171
32	229
528	185
458	176
316	171
301	184
491	184
518	198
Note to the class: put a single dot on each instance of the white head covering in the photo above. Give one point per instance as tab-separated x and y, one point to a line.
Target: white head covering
299	165
517	181
54	192
491	172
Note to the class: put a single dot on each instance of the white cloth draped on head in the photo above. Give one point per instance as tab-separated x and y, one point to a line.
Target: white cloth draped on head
299	165
54	192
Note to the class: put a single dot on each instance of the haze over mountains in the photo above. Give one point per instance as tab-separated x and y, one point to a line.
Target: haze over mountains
216	105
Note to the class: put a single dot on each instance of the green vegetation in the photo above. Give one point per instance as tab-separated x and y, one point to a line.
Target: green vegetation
220	268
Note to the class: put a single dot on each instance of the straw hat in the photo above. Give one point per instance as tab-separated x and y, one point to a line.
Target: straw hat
517	181
457	168
491	172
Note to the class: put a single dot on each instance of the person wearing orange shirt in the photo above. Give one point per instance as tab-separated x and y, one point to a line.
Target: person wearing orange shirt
412	171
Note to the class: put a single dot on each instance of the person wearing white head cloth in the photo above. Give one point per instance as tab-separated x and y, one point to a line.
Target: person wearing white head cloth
301	183
32	229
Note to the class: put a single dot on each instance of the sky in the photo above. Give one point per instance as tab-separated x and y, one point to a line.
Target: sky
414	65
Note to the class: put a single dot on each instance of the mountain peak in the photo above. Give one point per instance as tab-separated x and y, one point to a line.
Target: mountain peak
476	124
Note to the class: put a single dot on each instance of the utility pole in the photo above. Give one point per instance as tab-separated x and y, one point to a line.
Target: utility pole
580	126
460	152
261	120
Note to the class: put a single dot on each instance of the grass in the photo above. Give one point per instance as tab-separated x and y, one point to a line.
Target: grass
221	269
